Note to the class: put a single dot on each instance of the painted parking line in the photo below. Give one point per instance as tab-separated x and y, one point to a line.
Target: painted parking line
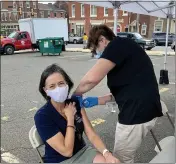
33	109
163	90
5	118
9	158
97	121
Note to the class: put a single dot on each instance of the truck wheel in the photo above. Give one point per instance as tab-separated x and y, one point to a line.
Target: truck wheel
9	50
63	47
75	41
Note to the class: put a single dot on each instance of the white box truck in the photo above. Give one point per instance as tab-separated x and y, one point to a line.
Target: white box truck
32	29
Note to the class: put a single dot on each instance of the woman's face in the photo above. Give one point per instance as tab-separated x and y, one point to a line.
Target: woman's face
53	81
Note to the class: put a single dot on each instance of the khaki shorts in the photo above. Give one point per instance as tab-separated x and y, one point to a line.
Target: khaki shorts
85	155
128	139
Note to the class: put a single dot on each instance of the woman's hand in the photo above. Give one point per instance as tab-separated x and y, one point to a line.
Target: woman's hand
70	110
110	158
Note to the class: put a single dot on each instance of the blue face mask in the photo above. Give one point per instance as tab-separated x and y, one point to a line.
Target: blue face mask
99	53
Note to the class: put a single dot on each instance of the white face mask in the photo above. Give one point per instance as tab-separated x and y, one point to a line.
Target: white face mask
58	94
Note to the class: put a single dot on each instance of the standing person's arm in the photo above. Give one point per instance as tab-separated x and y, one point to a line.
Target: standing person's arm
94	76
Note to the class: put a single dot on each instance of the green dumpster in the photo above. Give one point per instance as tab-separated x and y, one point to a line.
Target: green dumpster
51	45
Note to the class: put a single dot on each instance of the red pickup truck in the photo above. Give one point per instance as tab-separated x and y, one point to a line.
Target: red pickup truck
18	40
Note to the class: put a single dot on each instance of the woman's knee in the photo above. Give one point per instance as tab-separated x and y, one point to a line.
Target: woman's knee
99	159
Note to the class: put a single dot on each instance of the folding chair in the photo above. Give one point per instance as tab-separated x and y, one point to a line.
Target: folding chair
165	112
36	141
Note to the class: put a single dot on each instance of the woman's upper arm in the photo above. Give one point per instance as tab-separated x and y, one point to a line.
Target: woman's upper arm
88	129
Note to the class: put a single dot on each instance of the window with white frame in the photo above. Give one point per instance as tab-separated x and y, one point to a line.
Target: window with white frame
73	10
35	15
21	3
82	10
158	27
2	16
42	14
14	4
93	11
125	13
34	5
10	16
105	11
49	14
5	14
28	14
144	29
28	4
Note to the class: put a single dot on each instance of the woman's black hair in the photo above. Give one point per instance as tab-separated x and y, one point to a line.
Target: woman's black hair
54	68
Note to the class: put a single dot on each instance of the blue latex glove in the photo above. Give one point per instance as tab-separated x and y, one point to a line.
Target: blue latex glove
90	102
79	98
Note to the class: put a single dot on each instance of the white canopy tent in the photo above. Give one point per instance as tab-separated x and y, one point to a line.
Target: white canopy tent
162	8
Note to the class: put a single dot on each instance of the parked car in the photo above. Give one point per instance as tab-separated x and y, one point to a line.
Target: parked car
144	43
74	38
173	45
160	38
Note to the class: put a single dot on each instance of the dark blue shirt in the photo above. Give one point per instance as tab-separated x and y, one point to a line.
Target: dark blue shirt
49	122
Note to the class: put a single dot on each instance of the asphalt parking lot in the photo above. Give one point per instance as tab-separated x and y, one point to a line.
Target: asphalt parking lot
20	99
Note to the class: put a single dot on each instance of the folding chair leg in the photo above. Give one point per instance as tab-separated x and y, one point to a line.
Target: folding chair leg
156	141
170	120
41	160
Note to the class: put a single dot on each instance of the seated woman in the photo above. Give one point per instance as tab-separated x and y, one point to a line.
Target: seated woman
61	123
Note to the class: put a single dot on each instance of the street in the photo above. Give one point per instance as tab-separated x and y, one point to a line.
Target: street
20	99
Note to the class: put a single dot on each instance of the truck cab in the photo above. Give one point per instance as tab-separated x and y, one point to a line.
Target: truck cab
18	40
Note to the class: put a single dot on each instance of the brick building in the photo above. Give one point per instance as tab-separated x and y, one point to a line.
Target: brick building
10	13
83	16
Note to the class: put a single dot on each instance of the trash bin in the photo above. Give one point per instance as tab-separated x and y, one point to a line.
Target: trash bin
51	45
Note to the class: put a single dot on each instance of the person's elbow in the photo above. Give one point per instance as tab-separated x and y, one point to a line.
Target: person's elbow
93	80
66	152
69	153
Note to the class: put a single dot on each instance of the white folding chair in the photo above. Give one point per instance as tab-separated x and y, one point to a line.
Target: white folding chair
36	141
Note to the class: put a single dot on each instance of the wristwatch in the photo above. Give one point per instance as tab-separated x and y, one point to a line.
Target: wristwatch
104	151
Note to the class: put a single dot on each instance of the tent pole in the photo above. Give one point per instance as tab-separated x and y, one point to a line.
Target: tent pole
115	20
166	45
164	79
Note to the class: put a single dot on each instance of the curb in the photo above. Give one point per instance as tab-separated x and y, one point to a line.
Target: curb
154	53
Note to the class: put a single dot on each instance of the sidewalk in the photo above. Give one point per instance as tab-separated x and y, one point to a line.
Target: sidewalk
154	53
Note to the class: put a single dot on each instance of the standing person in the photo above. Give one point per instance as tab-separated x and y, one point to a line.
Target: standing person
133	84
85	38
61	123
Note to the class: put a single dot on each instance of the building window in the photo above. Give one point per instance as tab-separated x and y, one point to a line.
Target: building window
144	29
35	15
55	15
49	14
61	15
42	14
5	14
80	30
2	16
14	5
10	16
28	14
93	11
125	13
34	5
73	10
27	4
105	11
21	3
82	10
158	27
